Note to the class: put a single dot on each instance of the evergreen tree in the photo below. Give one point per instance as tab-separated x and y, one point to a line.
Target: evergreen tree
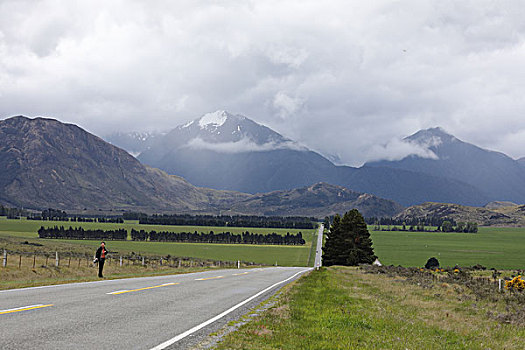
348	242
333	243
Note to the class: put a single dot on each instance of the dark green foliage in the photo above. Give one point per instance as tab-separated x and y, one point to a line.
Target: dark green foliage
348	242
432	263
186	237
230	221
80	233
12	213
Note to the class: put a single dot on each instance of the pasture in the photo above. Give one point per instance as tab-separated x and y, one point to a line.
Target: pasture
501	248
498	247
261	254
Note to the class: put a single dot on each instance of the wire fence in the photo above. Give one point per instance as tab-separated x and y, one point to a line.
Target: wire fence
11	258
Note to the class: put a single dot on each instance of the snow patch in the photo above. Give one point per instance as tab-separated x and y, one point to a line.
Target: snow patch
214	119
187	124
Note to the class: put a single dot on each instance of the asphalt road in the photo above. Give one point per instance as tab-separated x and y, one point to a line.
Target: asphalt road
139	313
319	249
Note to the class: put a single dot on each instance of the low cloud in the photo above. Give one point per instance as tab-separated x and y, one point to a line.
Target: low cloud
241	146
397	149
343	77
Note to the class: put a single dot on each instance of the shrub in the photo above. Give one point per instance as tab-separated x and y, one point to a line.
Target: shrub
515	284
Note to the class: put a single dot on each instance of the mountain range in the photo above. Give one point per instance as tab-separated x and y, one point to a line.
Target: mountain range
46	163
231	152
498	176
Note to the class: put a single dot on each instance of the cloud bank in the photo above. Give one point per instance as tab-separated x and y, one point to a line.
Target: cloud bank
341	77
243	145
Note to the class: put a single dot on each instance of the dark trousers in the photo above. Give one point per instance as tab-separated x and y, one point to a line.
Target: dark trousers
100	267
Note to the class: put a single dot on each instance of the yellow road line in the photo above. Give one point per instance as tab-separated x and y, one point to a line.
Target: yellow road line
209	278
24	308
238	274
139	289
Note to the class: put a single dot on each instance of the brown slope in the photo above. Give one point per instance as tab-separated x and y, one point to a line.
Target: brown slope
318	200
45	162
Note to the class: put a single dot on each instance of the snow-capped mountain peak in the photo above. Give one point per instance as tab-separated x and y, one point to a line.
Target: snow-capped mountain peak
214	119
432	137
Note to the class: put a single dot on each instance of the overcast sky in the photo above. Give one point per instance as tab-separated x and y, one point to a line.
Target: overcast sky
343	77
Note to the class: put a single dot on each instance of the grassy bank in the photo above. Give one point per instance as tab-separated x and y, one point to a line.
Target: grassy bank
344	308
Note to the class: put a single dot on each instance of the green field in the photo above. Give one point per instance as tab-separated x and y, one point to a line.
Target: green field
262	254
502	248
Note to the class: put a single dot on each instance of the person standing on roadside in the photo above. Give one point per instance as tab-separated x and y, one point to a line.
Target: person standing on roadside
100	256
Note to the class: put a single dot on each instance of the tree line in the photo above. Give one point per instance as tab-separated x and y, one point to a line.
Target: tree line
224	221
425	221
117	220
221	237
12	213
61	232
446	226
80	233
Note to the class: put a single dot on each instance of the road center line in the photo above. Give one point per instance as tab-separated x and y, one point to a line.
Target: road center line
239	274
209	278
221	315
24	308
139	289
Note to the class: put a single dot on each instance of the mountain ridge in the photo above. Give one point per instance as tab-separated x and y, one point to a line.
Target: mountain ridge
493	173
217	157
52	164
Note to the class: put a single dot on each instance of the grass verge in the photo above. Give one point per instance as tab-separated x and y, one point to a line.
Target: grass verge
344	308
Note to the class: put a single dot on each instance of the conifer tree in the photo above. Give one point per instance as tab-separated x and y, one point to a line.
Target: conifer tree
348	242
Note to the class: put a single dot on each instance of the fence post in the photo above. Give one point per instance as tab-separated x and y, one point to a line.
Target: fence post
4	262
121	261
56	259
499	284
143	263
20	261
34	260
179	264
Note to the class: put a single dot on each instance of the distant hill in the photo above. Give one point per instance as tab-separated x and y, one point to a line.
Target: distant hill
318	200
46	163
502	216
231	152
496	175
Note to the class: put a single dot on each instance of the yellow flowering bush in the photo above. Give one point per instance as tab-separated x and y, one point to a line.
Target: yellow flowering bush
515	284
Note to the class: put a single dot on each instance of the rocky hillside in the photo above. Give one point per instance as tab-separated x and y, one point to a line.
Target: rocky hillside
513	215
48	163
319	200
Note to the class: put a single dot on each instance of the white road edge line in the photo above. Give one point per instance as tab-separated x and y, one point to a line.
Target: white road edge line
221	315
22	307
